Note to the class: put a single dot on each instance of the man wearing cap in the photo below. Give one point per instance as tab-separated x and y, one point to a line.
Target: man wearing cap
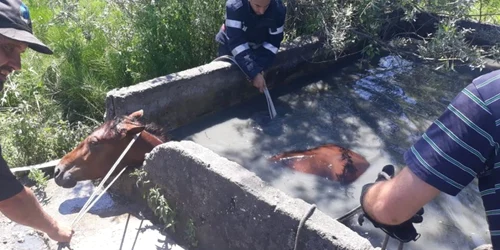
16	201
252	34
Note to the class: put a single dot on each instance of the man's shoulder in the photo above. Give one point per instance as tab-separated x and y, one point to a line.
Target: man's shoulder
488	80
488	88
235	5
279	7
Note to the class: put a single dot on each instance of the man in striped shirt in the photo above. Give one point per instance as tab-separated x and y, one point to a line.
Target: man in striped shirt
252	34
460	145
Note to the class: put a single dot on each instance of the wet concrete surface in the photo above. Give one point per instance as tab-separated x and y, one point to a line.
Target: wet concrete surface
110	224
377	111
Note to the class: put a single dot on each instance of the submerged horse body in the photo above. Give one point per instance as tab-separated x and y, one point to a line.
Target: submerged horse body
330	161
95	155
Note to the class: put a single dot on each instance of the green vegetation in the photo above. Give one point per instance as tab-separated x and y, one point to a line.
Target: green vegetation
155	199
100	45
39	178
161	208
40	181
191	233
486	11
344	22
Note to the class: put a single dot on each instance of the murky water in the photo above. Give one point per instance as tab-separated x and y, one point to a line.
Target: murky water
377	111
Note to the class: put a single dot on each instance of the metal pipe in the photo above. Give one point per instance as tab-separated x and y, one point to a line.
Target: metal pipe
386	240
401	244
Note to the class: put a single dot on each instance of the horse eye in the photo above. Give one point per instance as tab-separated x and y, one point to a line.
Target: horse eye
93	141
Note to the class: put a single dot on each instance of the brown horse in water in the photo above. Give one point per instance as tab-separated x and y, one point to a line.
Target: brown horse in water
330	161
97	153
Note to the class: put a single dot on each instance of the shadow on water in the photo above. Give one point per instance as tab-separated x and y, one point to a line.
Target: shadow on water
378	111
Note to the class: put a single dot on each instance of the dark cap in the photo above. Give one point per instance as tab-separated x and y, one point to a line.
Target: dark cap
15	23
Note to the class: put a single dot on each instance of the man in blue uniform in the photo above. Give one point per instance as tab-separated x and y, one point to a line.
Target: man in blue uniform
252	34
462	144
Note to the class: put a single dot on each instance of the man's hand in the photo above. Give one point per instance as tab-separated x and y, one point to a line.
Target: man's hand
61	234
259	82
403	232
24	208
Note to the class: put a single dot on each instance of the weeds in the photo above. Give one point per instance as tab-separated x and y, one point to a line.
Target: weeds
141	175
161	208
191	233
41	180
39	177
155	199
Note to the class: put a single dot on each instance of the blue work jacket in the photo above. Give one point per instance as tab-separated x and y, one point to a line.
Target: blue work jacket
253	40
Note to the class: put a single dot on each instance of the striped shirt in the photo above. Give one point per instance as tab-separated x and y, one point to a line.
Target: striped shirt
463	144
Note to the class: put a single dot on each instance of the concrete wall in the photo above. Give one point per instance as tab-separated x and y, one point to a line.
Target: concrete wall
231	207
234	209
179	98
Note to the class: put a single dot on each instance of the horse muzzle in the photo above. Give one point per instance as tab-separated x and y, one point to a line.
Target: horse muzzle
63	178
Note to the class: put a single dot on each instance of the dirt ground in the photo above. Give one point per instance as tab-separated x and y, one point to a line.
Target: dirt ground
110	224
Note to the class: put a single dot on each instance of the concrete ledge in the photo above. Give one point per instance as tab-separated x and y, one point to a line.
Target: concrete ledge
47	168
179	98
234	209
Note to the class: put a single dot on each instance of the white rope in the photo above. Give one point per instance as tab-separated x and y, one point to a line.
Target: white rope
87	207
80	215
270	104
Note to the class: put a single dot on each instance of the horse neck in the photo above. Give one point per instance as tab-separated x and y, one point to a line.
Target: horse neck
144	144
149	140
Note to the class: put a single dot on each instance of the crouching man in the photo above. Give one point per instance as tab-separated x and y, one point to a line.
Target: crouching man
252	34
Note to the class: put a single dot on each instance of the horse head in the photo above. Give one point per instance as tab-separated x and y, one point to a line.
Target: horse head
93	157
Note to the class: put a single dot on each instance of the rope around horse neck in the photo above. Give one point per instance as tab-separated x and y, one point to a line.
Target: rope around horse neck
88	204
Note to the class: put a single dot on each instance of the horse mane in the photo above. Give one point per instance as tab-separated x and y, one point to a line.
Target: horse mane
349	168
150	127
157	131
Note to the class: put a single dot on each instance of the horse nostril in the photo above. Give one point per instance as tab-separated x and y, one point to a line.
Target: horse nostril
56	172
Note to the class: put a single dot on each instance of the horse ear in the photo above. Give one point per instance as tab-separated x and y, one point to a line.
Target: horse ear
130	128
137	114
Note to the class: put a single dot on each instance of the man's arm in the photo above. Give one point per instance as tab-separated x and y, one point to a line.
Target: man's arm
395	201
267	52
447	157
24	209
19	204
